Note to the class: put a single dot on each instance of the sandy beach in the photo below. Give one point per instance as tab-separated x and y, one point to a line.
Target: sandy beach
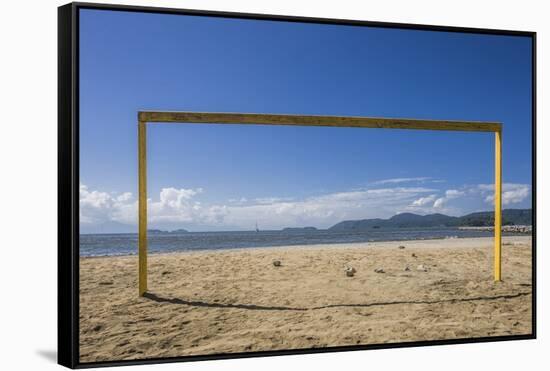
238	301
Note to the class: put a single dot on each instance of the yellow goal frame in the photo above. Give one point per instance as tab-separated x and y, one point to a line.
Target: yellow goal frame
145	117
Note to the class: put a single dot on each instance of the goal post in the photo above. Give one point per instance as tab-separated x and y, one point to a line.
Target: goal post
142	207
150	117
498	205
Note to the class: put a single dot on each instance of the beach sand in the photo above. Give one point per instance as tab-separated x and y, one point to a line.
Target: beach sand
238	301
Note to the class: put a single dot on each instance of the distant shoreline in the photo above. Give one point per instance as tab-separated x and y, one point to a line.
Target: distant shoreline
520	229
461	242
402	220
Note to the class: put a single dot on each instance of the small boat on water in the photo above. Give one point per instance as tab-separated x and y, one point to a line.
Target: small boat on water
257	230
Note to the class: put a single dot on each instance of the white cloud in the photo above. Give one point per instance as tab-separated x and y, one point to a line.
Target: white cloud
98	207
505	186
512	193
439	202
175	196
95	206
453	193
270	200
323	210
484	187
126	196
404	180
450	194
422	201
181	206
433	203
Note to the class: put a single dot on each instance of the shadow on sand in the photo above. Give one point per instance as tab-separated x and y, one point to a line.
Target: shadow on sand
196	303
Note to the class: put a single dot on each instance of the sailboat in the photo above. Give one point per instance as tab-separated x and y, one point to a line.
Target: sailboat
257	230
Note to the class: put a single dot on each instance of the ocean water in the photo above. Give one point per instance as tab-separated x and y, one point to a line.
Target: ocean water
127	243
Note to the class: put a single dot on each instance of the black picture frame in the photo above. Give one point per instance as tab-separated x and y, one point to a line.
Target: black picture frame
68	181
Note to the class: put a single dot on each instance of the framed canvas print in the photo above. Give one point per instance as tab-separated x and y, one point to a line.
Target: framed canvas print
237	185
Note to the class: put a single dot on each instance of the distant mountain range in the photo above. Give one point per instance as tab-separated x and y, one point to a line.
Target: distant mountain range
158	231
409	220
300	229
404	220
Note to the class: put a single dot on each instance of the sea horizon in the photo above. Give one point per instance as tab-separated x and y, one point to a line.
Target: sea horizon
117	244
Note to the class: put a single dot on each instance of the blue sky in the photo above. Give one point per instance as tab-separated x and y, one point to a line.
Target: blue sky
213	177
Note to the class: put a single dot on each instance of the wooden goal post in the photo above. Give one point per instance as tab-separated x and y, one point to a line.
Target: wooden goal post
145	117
